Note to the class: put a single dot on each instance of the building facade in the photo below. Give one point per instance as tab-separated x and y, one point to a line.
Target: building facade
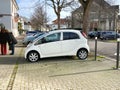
9	16
63	23
102	16
25	23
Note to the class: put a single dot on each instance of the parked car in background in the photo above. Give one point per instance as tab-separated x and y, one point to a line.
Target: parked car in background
28	33
30	38
93	34
66	42
106	35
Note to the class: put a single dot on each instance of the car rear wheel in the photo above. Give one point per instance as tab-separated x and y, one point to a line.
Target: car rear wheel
82	54
33	56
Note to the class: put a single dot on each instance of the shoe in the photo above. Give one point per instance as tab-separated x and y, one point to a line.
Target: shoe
11	54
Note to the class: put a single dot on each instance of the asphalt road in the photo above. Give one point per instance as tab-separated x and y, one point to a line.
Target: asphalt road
104	48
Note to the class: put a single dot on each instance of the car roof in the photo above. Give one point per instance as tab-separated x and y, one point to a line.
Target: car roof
64	30
60	30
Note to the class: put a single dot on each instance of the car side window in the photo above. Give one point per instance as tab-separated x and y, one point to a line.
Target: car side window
49	38
52	37
70	35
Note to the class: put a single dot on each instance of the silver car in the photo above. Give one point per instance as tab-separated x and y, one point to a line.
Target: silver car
30	38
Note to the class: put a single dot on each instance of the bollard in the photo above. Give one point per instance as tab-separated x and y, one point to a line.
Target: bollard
117	57
95	48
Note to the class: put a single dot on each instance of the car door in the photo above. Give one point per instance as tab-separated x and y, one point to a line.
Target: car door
51	45
70	42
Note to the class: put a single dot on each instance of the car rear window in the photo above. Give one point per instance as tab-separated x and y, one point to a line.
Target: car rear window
70	35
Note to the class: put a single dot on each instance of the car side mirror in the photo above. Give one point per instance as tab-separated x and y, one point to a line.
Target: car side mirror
31	42
43	40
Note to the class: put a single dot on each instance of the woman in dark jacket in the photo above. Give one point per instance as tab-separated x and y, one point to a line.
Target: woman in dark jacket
4	39
0	38
12	41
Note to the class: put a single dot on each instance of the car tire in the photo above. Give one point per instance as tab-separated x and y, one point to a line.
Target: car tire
33	56
82	54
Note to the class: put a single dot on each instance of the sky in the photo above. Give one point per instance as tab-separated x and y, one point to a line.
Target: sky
26	8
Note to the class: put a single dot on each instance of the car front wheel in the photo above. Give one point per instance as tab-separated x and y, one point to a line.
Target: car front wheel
33	56
82	54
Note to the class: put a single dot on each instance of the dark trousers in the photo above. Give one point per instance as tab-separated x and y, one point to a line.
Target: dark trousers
3	49
12	48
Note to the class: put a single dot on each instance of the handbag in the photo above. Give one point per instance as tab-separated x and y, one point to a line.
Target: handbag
10	47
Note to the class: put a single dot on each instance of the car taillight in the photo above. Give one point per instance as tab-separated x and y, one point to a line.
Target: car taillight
84	34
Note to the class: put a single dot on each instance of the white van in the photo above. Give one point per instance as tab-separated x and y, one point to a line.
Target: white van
66	42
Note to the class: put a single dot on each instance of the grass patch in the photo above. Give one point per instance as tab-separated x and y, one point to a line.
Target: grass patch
100	56
91	57
114	68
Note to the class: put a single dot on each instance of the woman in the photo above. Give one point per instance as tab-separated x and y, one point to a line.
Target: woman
12	41
0	38
4	40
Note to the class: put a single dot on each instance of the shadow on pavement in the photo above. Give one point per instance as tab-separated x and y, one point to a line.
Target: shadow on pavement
8	60
103	70
59	58
47	60
11	59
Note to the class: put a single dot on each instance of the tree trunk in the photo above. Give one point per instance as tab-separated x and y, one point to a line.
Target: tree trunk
58	16
86	6
85	19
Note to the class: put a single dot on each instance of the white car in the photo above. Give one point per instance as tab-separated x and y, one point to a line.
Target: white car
66	42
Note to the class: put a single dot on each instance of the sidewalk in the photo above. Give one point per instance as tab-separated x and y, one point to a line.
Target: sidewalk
61	73
7	65
20	39
67	74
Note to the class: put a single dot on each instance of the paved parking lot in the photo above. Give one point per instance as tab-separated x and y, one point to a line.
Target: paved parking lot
61	73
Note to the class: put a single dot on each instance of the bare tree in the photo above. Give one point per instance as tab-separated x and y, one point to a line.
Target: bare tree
86	4
38	18
100	11
58	5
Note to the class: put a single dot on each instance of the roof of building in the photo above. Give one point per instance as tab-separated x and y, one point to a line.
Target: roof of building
62	21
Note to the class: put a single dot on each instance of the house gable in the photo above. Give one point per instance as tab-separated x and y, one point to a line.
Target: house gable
102	15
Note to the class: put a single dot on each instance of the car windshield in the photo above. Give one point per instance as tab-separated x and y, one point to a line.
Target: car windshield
40	36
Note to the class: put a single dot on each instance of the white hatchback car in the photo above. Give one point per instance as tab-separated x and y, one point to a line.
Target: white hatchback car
66	42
